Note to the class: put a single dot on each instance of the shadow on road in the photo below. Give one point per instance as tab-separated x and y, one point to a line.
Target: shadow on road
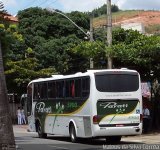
89	141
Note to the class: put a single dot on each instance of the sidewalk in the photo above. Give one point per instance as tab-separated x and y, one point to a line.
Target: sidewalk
20	128
147	138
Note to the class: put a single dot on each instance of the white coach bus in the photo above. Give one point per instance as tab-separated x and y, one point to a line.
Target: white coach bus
97	103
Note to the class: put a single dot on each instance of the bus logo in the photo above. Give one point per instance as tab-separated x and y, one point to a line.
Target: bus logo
113	105
41	107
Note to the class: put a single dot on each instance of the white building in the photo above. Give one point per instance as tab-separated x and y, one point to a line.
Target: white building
134	26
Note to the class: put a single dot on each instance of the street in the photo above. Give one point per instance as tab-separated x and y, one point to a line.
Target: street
29	140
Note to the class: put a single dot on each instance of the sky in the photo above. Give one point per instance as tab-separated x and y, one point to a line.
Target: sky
13	6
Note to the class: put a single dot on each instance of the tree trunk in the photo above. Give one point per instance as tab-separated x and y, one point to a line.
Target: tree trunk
6	131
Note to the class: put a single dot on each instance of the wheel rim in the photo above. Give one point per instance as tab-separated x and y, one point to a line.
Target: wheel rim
39	130
72	133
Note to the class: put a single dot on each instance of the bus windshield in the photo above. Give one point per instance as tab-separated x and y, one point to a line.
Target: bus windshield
117	81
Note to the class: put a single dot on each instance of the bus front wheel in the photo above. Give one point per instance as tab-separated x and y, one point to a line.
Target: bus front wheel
72	132
41	134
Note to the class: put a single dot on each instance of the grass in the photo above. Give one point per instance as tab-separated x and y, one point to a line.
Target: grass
150	27
116	17
153	28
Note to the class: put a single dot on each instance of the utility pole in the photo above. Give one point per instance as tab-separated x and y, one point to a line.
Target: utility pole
109	32
91	28
91	39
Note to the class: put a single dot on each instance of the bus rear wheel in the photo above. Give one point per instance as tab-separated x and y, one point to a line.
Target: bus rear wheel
72	133
113	139
41	134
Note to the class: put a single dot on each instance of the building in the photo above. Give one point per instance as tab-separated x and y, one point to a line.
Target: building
134	26
9	18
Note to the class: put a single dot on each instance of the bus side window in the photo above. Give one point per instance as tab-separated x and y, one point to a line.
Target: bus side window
36	91
72	88
69	87
51	89
78	87
43	90
85	87
60	89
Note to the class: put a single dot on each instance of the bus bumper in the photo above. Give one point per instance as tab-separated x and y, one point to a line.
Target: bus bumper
116	131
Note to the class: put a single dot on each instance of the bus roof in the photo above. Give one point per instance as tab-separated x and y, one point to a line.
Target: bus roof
79	74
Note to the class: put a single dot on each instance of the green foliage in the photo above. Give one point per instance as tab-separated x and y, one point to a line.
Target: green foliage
137	51
100	34
2	12
13	27
39	22
129	49
20	64
2	26
1	7
55	52
87	50
124	36
20	73
103	10
51	35
153	29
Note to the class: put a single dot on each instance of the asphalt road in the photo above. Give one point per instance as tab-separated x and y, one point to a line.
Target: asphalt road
30	141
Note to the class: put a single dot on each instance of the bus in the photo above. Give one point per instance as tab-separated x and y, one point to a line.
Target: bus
94	104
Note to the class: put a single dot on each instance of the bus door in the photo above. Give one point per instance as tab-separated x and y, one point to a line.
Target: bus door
30	108
31	122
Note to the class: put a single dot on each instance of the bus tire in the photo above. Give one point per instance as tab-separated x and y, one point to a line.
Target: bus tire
113	139
72	133
41	134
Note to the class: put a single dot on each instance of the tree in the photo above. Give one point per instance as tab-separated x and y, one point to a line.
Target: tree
2	13
86	50
102	10
20	63
6	130
20	73
51	36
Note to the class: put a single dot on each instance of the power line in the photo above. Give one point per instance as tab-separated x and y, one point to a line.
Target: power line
28	5
43	2
52	3
32	2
